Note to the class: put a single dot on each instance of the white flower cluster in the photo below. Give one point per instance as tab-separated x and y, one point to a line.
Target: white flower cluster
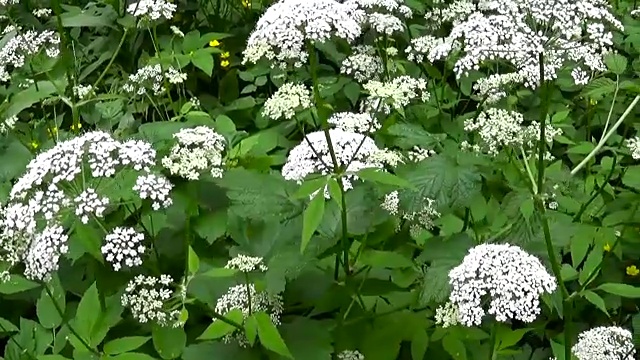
42	13
508	277
417	154
152	9
8	124
350	355
575	33
605	343
30	230
286	101
152	78
386	24
156	188
447	315
282	32
493	87
353	151
364	64
81	91
500	128
384	16
396	93
8	2
239	297
147	298
196	150
420	217
123	247
247	264
362	123
633	145
430	46
14	53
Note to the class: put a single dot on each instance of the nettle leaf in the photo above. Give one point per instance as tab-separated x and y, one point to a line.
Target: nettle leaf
259	196
599	87
442	179
408	135
615	62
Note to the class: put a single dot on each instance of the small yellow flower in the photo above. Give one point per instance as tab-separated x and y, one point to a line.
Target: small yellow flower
34	144
224	63
214	43
632	270
593	101
225	55
607	247
246	3
77	127
52	131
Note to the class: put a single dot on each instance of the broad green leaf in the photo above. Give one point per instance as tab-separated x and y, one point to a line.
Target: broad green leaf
90	16
632	176
383	177
581	241
409	135
169	341
49	309
623	290
596	300
615	62
310	186
219	272
16	284
132	356
19	155
251	329
203	60
211	225
194	261
269	335
591	265
32	95
507	337
599	87
384	259
125	344
308	339
455	347
312	217
218	328
7	326
419	344
88	313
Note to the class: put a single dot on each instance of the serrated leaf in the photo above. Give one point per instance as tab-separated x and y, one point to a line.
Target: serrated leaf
48	309
596	300
615	62
203	60
169	341
16	284
311	219
269	336
219	328
598	87
308	339
623	290
384	259
383	177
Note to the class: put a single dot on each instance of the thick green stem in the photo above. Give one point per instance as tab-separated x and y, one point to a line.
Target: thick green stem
567	306
247	284
492	341
604	139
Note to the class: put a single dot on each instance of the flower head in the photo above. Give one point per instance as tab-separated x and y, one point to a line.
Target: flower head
284	29
350	355
152	9
420	215
353	122
147	298
286	101
363	64
633	145
396	93
151	78
511	280
447	315
246	263
20	47
632	270
605	343
196	150
123	247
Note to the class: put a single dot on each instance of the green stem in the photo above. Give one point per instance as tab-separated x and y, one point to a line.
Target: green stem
71	328
606	137
534	187
345	242
246	282
542	144
567	306
113	58
492	341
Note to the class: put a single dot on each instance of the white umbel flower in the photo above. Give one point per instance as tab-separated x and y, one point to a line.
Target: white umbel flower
90	203
364	64
398	92
42	258
123	247
396	7
633	145
312	156
196	150
147	298
283	30
81	91
152	9
8	124
420	216
350	355
17	49
151	78
42	13
247	264
289	99
156	188
417	154
239	297
447	315
605	343
509	278
362	123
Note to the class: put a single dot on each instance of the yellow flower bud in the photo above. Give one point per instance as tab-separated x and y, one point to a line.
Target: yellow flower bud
214	43
632	270
224	63
34	144
225	55
607	247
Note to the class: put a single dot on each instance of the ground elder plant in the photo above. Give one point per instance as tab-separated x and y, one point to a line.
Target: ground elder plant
319	179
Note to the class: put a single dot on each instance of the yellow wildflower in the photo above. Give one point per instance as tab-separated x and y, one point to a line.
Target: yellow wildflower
214	43
632	270
593	101
225	55
246	3
76	127
34	144
224	63
607	247
52	131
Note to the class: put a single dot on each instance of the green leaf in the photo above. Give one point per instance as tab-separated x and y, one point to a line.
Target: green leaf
455	347
383	177
91	16
203	60
591	264
269	336
7	326
20	156
49	312
419	344
623	290
194	261
218	328
310	186
595	299
16	284
615	62
219	273
384	259
308	339
599	87
211	225
88	313
632	176
312	217
132	356
409	135
169	341
125	344
35	93
251	329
